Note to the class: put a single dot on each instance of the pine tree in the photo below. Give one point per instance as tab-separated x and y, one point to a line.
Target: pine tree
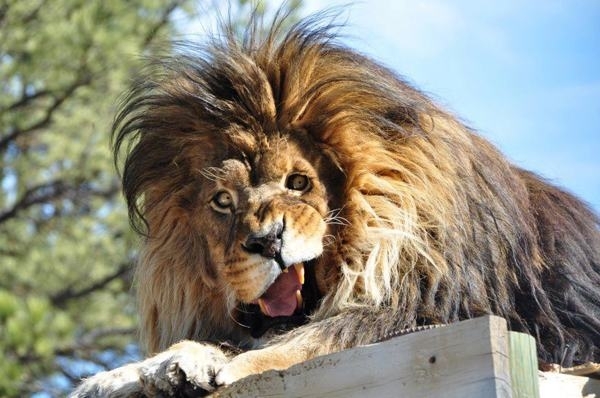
66	249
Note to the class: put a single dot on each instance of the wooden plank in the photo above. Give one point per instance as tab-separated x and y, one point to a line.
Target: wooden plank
466	359
590	369
558	385
523	365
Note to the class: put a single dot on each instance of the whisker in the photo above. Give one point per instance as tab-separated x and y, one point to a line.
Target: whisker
333	218
337	221
334	212
231	306
213	173
328	240
236	321
242	310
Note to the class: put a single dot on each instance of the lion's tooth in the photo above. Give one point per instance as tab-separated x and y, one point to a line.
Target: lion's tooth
261	304
300	271
286	270
299	299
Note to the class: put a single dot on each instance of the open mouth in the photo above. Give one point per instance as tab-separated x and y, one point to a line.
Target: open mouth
285	304
284	296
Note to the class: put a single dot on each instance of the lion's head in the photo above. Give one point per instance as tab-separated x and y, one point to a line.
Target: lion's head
254	163
284	178
249	167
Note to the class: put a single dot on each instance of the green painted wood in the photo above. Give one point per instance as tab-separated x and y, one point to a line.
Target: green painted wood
523	366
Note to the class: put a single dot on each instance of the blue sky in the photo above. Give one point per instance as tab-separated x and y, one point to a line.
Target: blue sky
525	74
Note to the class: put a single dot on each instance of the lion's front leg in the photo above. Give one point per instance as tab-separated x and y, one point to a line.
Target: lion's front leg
186	369
120	382
351	328
277	357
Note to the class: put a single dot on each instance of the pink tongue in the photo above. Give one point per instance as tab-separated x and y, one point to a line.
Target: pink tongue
280	297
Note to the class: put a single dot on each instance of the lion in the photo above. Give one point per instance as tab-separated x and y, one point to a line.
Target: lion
296	198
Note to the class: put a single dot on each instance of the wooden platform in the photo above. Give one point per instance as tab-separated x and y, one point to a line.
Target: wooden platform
474	358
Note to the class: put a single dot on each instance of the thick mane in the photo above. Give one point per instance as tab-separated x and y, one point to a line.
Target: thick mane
438	225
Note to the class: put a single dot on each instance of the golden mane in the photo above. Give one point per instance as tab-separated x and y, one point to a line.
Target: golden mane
436	225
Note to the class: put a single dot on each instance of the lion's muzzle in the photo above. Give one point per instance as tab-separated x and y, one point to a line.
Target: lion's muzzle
283	297
267	245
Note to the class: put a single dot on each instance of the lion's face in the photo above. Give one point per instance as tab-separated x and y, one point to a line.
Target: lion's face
264	216
239	230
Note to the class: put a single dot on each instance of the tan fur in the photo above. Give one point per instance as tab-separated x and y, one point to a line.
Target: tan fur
411	217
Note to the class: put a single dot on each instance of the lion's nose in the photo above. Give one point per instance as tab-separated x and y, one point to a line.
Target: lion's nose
268	245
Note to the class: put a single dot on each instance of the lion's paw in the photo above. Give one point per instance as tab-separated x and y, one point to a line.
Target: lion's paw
187	369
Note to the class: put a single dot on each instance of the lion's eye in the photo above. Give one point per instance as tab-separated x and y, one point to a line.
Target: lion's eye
222	201
297	182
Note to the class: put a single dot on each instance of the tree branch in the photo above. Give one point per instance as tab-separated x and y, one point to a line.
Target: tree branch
164	19
89	341
47	118
100	333
36	195
69	293
29	17
25	100
52	191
